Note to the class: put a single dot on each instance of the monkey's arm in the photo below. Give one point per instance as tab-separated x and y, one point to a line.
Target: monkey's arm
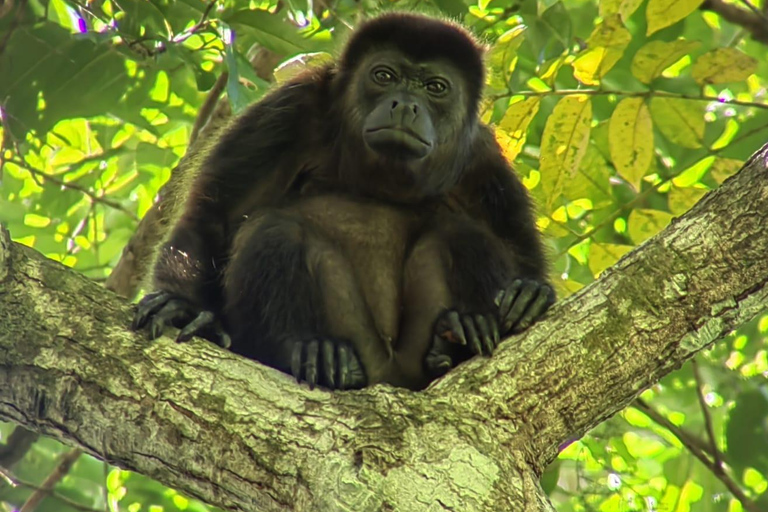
252	164
491	193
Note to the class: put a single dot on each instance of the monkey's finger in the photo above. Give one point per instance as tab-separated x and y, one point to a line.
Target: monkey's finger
296	353
508	298
485	334
494	326
202	320
522	301
329	363
310	369
174	310
540	304
454	321
147	307
472	337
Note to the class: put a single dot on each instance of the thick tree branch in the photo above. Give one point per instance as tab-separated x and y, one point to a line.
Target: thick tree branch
240	435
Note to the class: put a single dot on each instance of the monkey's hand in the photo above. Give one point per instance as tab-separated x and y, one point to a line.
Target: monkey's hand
330	363
522	303
163	309
458	336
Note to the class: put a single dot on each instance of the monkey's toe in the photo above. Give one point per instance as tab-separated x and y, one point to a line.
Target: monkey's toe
522	303
326	362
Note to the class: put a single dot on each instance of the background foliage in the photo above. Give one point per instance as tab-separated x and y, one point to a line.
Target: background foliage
619	115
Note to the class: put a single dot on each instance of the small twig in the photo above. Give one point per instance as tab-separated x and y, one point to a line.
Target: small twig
14	480
59	472
74	186
753	20
694	446
716	455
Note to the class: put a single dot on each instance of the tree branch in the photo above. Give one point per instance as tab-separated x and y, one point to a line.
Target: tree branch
751	20
240	435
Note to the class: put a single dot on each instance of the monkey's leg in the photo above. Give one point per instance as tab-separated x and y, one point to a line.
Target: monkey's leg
292	302
487	298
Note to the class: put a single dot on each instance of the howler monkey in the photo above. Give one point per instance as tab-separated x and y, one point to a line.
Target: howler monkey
359	224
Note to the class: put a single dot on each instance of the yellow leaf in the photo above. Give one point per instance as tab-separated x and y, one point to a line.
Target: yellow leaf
723	65
602	256
654	57
630	137
515	125
724	168
592	179
682	199
624	8
605	47
663	13
643	224
564	143
680	120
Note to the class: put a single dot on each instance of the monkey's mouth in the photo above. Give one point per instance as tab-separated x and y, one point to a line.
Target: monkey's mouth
397	141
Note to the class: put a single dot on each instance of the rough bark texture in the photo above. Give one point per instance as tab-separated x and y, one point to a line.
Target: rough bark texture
240	435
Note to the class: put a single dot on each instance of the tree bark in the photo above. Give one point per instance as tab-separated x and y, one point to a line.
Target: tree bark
239	435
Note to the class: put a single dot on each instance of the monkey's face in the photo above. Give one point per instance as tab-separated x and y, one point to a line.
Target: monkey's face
411	112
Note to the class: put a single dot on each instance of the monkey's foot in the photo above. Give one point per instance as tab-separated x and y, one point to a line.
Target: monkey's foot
522	303
330	363
163	309
457	336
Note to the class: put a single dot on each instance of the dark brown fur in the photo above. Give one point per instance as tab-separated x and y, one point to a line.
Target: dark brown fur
294	231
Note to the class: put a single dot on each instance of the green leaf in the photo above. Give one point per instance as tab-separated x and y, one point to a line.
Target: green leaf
269	30
605	47
654	57
564	143
643	224
680	120
514	126
631	139
663	13
723	65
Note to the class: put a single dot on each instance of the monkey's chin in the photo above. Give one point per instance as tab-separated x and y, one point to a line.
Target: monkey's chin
397	144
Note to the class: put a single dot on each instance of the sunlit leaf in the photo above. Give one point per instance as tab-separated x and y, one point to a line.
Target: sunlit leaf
663	13
502	57
680	120
643	224
631	139
724	168
723	65
624	8
602	256
605	47
515	123
681	199
654	57
564	143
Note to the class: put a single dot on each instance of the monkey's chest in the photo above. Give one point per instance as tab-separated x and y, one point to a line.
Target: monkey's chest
372	237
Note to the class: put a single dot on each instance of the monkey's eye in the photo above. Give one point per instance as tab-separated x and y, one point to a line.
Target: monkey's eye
436	87
383	76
